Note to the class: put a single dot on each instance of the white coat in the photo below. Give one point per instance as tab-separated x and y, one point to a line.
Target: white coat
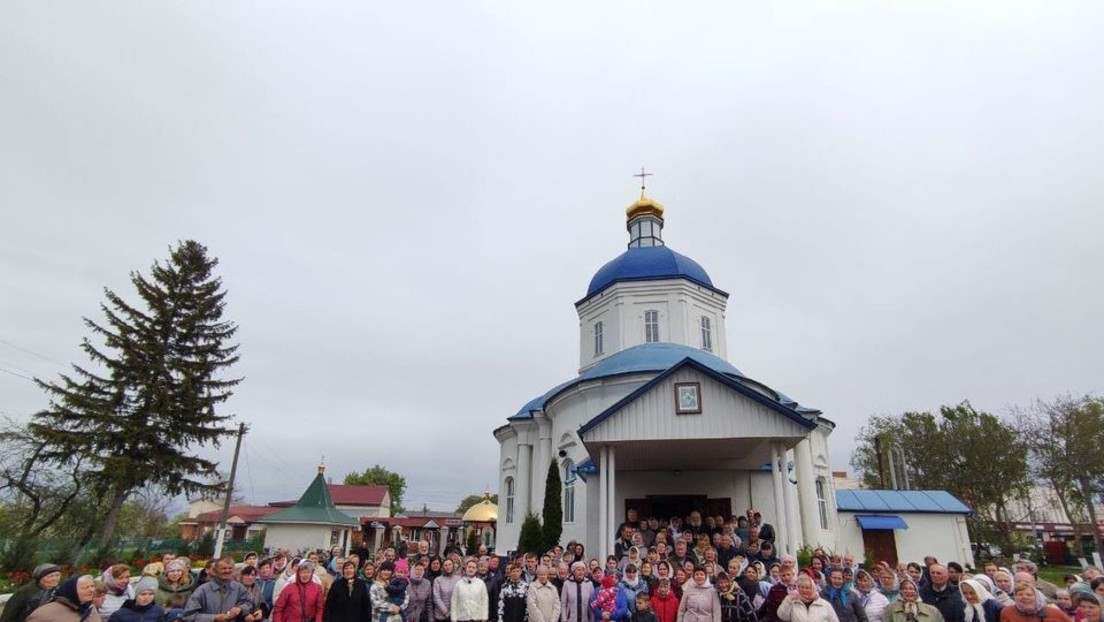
469	600
793	609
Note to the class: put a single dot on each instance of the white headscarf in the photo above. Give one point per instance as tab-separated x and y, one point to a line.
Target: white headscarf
976	613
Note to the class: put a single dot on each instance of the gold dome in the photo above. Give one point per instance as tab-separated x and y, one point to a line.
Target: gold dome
486	511
644	206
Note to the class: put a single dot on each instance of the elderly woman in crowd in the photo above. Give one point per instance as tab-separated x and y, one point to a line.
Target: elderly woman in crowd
870	598
806	605
40	591
980	606
72	603
1029	605
700	602
909	607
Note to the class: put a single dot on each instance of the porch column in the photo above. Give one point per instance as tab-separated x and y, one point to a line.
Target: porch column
603	502
612	512
443	530
779	518
379	537
542	457
806	493
525	475
793	534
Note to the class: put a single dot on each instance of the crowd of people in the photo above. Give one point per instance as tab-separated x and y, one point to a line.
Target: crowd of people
692	570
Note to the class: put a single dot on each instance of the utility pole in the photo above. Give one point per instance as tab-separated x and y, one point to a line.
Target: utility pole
904	466
878	457
221	537
892	468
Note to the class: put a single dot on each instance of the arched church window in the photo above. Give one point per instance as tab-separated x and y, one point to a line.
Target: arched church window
822	502
569	478
599	329
706	334
651	326
509	499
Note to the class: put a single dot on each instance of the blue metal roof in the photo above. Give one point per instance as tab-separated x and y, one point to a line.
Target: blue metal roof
648	263
919	501
646	357
868	521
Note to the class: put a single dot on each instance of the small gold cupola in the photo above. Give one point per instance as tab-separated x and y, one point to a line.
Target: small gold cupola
644	218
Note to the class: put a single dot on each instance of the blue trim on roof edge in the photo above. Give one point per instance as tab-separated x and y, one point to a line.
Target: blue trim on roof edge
728	381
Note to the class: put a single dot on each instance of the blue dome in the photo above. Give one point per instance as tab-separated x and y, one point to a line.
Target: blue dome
648	263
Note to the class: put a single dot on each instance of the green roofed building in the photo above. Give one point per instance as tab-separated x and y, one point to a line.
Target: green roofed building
314	522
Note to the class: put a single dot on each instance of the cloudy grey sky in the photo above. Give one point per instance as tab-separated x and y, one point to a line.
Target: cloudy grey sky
903	198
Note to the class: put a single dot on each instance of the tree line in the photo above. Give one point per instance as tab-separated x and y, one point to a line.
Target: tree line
989	461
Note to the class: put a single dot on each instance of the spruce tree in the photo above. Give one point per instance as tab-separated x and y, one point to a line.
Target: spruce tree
530	538
148	401
552	513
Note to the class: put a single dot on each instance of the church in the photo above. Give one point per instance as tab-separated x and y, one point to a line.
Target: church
658	419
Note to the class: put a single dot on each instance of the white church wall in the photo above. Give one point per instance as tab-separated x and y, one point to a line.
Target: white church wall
941	535
621	309
507	531
297	537
725	414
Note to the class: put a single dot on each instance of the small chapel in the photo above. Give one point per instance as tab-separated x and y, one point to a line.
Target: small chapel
659	420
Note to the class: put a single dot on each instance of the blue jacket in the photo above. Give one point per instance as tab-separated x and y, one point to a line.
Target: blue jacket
621	610
131	612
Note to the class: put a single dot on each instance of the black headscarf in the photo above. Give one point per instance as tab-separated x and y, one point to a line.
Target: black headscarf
67	594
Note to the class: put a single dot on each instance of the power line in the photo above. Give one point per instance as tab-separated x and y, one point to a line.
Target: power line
14	366
249	471
17	375
31	352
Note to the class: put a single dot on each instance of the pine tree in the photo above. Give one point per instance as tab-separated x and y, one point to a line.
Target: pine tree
552	513
529	541
152	390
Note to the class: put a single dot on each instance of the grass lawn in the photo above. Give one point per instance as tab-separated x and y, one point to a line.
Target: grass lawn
1054	574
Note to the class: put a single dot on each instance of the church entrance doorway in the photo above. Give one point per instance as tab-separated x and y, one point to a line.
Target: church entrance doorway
665	506
880	544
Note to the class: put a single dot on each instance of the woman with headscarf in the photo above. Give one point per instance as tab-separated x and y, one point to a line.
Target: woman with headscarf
980	604
806	605
443	586
748	582
40	591
1002	581
787	585
1029	605
909	607
175	585
873	602
735	604
837	592
889	585
347	600
72	603
633	558
117	581
699	602
302	600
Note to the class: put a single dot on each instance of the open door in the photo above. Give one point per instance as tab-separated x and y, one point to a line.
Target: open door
881	545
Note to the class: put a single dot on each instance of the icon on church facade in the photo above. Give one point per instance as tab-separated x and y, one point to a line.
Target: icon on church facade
688	398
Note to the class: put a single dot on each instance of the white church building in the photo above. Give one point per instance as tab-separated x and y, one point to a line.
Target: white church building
659	420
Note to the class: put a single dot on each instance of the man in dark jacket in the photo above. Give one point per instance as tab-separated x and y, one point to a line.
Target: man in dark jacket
939	593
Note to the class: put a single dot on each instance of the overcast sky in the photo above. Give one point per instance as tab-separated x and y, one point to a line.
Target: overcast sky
904	200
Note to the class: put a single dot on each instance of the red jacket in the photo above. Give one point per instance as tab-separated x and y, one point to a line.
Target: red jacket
299	602
666	609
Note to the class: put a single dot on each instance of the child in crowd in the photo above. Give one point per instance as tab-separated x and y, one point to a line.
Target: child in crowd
644	611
